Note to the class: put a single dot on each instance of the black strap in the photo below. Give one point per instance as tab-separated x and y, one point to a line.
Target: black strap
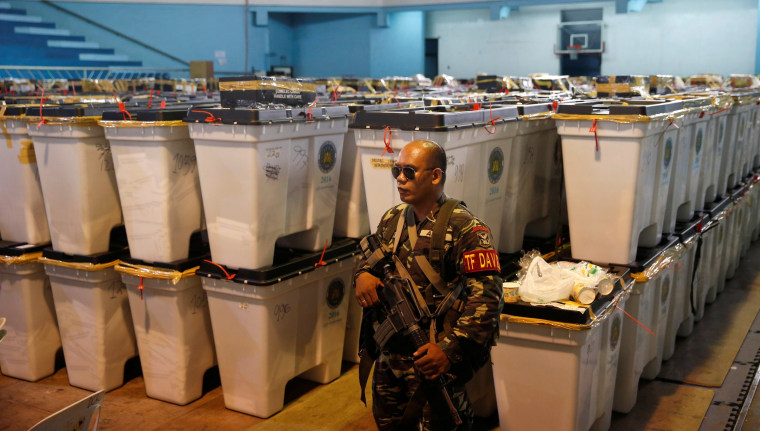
697	258
413	410
438	239
365	367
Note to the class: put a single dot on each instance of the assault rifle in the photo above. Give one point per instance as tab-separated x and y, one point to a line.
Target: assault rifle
403	310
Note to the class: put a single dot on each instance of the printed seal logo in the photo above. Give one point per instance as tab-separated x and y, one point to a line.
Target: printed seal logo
335	293
615	332
495	165
668	152
699	141
327	156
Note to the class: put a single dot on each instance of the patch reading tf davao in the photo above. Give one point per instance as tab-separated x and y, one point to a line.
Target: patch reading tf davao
481	260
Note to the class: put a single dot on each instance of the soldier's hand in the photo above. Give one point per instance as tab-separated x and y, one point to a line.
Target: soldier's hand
366	289
433	362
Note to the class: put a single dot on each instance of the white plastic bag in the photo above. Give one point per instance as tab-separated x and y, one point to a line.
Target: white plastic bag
545	283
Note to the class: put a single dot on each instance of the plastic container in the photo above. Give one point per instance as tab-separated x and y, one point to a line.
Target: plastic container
753	140
747	217
32	341
737	122
641	350
173	328
93	316
533	196
155	164
353	331
278	323
715	176
267	175
477	150
683	302
22	214
77	177
609	149
711	256
687	163
351	218
739	217
569	368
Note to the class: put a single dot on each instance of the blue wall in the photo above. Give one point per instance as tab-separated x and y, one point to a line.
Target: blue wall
333	44
316	44
399	49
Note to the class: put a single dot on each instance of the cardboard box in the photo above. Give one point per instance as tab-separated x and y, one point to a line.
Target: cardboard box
201	69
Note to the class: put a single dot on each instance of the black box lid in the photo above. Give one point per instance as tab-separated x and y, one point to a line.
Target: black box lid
645	257
443	117
15	110
239	116
12	248
95	259
288	263
178	265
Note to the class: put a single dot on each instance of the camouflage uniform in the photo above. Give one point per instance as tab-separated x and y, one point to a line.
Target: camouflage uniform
467	346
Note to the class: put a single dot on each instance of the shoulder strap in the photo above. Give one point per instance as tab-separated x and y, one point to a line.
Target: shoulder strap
438	239
399	219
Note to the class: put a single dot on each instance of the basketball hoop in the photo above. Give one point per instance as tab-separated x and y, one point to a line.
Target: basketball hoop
574	50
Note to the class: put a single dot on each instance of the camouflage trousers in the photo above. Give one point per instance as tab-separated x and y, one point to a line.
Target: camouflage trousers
395	381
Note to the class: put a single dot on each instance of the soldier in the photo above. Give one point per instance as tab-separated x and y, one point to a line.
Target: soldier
466	272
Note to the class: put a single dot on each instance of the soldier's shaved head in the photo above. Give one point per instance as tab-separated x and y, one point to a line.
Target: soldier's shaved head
432	152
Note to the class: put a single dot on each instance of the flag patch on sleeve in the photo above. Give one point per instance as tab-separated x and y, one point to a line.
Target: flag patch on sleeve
481	260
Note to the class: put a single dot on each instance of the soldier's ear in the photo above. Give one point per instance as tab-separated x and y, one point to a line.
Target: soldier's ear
438	176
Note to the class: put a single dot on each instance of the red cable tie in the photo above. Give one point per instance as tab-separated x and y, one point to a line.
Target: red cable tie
163	104
226	274
475	106
389	133
42	100
699	225
718	112
310	117
596	137
124	111
701	114
634	319
210	118
141	287
399	103
554	105
321	262
150	99
74	89
492	121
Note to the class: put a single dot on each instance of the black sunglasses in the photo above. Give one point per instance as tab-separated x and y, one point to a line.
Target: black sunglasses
408	171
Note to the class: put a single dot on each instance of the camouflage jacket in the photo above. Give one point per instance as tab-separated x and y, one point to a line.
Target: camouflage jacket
467	254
